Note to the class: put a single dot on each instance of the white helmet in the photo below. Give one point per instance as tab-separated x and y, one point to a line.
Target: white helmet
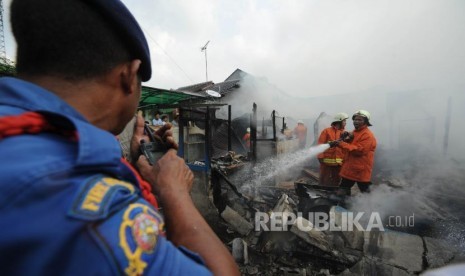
339	117
363	113
300	122
248	129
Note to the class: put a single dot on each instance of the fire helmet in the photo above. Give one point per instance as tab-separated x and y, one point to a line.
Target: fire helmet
363	113
339	117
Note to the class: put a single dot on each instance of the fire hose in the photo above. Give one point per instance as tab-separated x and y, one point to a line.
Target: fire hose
345	137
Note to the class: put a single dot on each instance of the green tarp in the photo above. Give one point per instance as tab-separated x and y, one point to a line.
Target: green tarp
157	96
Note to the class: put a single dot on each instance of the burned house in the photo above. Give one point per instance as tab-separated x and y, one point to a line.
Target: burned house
235	187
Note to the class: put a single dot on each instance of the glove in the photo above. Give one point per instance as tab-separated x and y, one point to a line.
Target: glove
347	136
333	144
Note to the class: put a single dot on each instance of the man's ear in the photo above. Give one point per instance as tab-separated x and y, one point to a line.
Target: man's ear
129	78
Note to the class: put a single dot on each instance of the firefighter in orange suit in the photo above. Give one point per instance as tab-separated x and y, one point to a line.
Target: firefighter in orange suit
246	138
360	153
331	159
300	131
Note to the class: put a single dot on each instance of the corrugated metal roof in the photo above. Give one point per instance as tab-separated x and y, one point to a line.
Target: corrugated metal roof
158	96
226	86
236	75
197	87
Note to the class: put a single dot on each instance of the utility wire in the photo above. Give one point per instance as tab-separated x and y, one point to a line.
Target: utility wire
147	33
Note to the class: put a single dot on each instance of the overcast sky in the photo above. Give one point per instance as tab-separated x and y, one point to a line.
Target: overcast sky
305	47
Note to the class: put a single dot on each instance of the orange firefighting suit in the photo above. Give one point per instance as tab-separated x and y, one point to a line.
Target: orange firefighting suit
331	159
246	139
359	159
300	132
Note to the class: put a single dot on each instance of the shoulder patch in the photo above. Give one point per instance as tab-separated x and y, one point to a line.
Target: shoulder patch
99	195
140	228
130	237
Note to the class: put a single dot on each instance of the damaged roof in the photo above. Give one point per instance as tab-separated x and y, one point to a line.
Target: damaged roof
158	96
226	86
237	75
222	87
197	87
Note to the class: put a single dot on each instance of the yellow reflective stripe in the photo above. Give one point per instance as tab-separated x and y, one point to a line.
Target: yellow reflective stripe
332	160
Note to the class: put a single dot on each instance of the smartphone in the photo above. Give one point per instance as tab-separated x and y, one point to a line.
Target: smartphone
154	149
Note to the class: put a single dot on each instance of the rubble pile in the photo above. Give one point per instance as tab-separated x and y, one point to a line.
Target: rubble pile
299	248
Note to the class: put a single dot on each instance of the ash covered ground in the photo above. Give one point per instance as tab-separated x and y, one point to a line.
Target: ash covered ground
428	189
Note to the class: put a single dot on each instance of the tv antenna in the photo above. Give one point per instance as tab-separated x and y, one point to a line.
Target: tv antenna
7	66
204	49
2	36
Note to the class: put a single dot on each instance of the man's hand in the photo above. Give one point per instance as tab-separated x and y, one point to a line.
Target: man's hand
344	135
347	136
172	181
333	144
169	176
163	135
137	135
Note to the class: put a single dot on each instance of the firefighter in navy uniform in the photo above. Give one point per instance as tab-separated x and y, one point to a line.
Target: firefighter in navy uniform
69	204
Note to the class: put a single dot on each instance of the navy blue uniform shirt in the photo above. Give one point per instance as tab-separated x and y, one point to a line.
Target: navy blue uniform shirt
71	207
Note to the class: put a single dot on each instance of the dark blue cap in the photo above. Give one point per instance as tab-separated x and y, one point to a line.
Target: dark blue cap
126	26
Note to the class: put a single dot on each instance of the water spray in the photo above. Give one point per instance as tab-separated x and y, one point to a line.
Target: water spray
268	169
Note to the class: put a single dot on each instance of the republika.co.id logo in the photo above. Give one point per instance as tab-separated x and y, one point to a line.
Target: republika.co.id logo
321	221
